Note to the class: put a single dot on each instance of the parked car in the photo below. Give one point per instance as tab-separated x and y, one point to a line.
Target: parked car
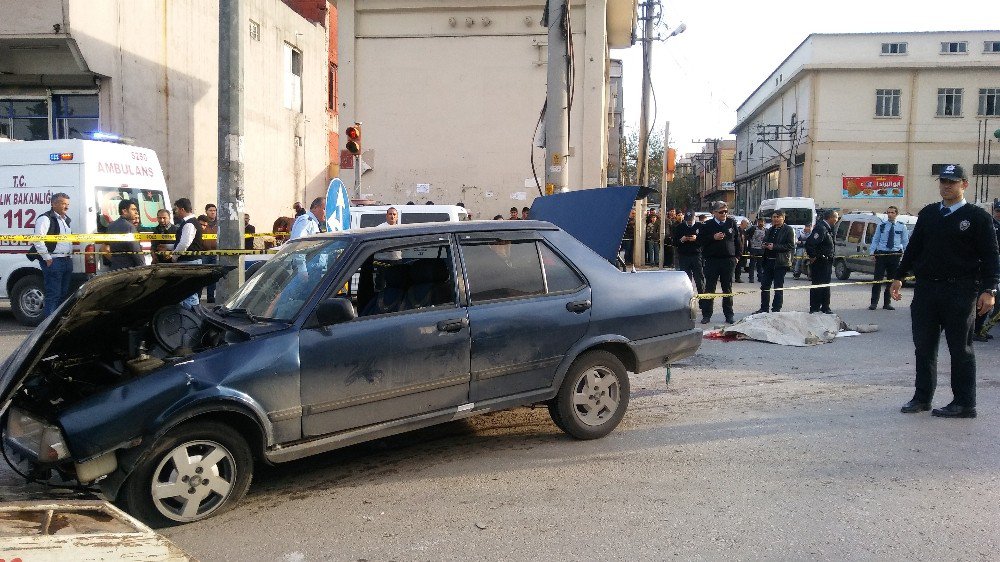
169	409
852	237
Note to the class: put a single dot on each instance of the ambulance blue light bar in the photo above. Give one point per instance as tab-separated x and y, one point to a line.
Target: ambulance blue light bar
60	156
111	137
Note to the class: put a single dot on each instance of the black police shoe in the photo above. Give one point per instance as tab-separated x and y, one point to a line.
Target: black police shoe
953	410
872	306
888	307
914	406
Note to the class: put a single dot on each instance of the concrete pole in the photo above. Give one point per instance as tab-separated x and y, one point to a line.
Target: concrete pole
663	192
232	27
557	105
642	163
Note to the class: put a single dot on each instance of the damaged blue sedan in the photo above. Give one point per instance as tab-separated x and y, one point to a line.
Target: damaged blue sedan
338	339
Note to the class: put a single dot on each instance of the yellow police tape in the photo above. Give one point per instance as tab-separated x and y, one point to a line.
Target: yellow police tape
708	296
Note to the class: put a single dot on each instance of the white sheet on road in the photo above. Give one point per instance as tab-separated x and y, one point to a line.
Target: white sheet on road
788	328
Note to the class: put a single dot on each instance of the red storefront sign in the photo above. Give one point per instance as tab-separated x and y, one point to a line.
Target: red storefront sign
872	187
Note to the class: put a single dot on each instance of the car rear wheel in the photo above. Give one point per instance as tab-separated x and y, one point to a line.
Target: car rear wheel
194	472
841	270
27	300
593	397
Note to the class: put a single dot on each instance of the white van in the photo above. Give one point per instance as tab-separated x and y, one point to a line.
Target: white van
96	176
799	211
853	236
374	215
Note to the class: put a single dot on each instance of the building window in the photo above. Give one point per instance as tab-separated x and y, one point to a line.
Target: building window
887	103
991	46
74	116
24	119
954	47
254	30
740	156
949	102
885	169
936	169
293	78
893	48
989	101
331	88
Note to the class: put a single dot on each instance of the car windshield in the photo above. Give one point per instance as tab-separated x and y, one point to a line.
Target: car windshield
281	287
798	217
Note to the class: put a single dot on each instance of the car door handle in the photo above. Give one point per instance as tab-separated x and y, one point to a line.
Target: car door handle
578	306
452	325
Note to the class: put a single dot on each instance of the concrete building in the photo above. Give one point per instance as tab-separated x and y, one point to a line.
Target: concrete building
863	121
449	94
716	169
149	70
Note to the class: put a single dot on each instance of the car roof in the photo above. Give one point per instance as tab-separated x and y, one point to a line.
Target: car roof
431	228
876	217
408	209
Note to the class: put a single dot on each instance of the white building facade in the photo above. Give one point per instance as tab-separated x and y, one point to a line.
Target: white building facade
149	70
863	121
449	95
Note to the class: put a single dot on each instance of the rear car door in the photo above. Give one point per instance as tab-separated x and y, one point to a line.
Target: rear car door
407	352
527	306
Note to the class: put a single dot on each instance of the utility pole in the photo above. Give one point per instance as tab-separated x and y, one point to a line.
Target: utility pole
231	31
557	98
642	165
663	192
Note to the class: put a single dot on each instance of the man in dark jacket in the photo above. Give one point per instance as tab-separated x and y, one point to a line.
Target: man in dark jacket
820	249
125	254
778	246
953	253
981	320
721	246
689	250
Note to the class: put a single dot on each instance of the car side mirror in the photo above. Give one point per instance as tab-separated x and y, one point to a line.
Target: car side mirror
335	311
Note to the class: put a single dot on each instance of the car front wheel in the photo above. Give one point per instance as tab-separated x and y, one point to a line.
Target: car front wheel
593	397
195	471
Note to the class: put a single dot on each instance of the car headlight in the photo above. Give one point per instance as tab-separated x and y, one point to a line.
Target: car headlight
35	436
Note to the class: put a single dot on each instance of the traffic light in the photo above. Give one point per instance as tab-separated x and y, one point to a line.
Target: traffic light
354	139
671	163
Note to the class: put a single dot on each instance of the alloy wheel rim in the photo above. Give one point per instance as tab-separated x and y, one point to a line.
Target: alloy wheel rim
32	302
596	396
193	480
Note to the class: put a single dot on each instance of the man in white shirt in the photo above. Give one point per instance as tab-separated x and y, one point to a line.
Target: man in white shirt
391	217
54	257
308	224
188	239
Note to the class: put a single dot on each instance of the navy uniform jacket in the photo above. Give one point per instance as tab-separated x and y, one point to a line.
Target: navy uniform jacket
820	242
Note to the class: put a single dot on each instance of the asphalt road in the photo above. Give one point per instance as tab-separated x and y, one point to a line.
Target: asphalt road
752	451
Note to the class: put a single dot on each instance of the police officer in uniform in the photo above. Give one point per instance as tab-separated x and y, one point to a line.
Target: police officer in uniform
953	252
721	246
689	249
887	246
820	249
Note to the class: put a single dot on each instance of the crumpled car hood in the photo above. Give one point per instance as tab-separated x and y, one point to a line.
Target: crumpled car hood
106	303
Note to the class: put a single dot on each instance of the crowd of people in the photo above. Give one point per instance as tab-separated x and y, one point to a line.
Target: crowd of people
952	251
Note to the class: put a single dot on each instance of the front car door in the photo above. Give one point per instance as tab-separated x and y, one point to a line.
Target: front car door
527	307
407	352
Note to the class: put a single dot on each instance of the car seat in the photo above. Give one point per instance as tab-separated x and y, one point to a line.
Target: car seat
390	298
429	284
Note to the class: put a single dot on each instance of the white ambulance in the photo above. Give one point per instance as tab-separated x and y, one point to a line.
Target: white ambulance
96	175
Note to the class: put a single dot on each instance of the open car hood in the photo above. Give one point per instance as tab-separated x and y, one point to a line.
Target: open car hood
108	302
596	217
